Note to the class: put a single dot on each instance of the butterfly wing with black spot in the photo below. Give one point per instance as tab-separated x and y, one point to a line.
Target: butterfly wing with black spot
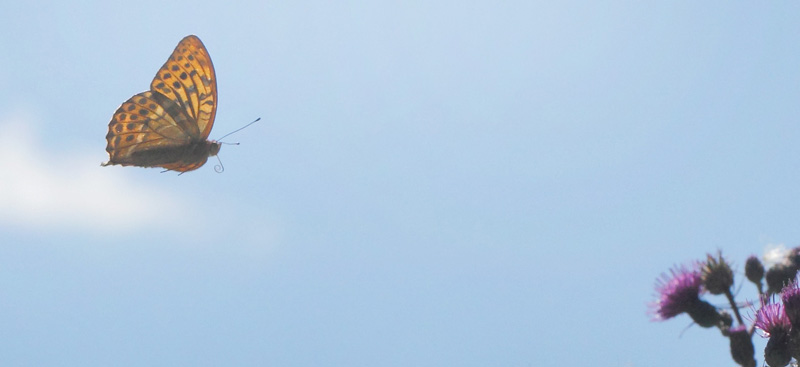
144	128
188	79
168	126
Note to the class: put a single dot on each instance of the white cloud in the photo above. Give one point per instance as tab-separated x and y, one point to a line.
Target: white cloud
776	254
43	189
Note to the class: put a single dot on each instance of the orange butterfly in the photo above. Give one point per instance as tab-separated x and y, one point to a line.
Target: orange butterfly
168	125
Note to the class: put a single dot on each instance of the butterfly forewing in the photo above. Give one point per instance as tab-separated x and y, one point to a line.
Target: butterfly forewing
168	125
188	78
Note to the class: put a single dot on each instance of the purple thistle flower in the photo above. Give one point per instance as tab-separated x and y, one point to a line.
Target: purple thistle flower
677	292
791	303
772	319
774	324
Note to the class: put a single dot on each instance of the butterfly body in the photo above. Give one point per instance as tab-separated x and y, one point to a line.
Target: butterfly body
168	126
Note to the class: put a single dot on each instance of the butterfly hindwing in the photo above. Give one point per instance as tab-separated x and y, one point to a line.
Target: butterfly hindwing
143	123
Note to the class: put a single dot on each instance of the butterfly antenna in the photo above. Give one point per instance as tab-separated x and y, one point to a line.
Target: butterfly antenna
237	130
219	168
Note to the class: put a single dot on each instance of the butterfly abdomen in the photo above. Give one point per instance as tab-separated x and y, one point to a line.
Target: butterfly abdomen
178	158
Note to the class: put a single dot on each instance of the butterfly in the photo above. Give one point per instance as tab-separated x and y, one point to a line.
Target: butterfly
168	125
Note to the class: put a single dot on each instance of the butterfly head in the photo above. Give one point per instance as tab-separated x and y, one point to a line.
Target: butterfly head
213	147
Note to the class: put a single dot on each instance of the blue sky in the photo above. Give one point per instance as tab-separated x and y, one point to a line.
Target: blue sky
432	183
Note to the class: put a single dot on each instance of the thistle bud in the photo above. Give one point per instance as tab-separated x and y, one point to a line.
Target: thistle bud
717	275
754	270
704	313
772	320
742	349
779	276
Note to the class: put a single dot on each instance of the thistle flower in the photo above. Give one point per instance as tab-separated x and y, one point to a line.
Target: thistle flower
676	291
772	321
790	295
679	292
